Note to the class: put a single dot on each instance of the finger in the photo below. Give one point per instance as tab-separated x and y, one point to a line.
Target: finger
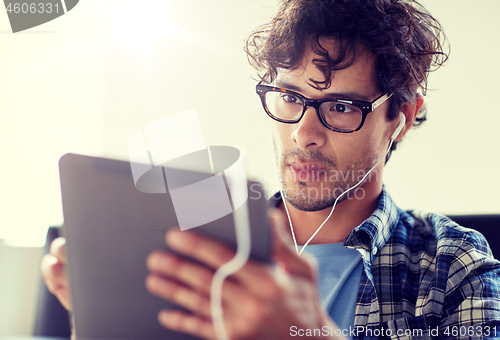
186	323
190	274
52	271
168	264
57	248
195	302
199	247
255	276
53	275
283	253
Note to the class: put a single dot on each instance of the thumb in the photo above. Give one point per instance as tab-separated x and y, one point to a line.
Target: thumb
284	253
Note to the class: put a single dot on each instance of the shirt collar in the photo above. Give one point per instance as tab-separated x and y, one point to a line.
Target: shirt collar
375	231
371	235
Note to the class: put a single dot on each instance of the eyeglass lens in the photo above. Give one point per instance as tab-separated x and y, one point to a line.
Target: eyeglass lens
337	114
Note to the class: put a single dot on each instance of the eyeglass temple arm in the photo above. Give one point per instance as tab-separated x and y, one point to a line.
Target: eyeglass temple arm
380	101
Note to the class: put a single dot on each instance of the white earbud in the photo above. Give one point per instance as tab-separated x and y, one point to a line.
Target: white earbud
400	127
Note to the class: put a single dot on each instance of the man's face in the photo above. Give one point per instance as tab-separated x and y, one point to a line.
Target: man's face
317	164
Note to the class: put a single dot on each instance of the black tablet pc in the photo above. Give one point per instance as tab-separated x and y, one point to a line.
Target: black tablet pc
111	226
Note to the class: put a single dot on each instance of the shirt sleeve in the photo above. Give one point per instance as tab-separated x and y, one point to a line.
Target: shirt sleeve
471	305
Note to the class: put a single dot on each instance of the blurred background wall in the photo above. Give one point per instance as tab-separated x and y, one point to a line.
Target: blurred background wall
85	82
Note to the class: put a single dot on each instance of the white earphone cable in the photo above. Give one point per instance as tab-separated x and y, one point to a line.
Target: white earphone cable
290	222
243	237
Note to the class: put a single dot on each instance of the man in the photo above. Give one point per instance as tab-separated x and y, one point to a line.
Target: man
340	81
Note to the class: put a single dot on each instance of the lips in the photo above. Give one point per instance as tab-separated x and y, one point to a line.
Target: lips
307	171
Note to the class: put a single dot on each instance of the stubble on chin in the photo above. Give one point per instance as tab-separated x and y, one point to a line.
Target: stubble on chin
302	195
306	197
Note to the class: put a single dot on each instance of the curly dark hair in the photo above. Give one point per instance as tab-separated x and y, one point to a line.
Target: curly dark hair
406	41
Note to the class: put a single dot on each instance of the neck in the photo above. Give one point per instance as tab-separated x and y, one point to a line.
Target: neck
347	215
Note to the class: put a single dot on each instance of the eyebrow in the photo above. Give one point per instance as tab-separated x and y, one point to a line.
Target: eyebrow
339	95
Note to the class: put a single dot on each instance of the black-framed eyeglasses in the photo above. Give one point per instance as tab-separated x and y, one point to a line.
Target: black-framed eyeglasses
336	114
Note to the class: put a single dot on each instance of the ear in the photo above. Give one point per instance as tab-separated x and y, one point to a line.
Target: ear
410	110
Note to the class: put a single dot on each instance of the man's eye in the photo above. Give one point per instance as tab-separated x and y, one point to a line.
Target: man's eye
290	99
341	108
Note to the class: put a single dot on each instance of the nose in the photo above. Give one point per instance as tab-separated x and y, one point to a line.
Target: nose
310	132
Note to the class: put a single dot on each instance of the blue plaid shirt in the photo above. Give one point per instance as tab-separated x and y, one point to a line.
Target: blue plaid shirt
424	277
